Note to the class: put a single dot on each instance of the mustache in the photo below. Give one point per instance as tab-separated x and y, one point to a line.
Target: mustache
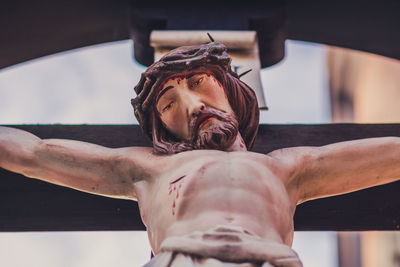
204	115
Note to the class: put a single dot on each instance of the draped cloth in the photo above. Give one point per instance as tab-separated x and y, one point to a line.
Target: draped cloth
223	246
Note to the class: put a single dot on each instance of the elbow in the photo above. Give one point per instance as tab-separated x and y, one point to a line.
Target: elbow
28	167
28	161
21	164
17	151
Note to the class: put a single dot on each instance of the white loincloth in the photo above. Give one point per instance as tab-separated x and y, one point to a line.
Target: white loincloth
223	246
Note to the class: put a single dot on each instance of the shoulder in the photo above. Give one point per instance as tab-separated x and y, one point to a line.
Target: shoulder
140	162
291	162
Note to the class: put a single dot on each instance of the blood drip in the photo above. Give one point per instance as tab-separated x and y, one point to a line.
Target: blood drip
173	187
241	142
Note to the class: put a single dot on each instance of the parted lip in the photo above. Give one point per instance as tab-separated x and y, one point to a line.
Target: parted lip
202	118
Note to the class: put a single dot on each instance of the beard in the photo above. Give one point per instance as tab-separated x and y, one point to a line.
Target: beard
219	133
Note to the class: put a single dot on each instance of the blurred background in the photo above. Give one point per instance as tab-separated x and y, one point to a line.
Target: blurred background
312	84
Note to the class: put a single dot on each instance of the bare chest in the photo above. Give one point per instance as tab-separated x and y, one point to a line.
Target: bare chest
225	184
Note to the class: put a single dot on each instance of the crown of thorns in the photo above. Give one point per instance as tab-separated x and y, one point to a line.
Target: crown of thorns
185	58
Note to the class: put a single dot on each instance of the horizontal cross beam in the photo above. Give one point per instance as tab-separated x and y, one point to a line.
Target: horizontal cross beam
32	205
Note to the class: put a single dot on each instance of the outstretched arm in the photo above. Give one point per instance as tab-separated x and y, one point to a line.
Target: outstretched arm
342	167
79	165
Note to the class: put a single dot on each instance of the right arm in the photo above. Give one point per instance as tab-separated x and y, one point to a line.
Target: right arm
79	165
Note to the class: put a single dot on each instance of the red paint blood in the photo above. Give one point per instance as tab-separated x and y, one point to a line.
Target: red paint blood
181	77
174	186
177	180
161	87
220	84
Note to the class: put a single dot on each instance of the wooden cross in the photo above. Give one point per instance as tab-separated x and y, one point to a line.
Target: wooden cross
32	205
27	33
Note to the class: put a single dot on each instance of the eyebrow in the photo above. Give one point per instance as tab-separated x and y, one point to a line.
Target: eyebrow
163	92
190	75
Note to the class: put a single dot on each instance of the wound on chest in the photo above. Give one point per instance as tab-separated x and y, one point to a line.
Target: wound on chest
173	190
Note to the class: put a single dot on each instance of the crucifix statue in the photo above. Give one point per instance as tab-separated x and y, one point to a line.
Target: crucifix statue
205	198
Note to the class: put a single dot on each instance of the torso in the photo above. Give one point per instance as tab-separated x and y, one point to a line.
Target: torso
200	189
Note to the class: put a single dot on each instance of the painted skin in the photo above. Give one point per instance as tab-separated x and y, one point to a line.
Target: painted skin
197	190
226	184
201	189
180	99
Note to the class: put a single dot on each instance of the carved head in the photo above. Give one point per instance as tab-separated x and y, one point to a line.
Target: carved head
191	99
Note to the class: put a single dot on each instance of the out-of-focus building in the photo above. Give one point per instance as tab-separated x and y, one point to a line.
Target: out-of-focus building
365	88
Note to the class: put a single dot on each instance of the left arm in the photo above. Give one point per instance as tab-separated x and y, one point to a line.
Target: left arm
344	167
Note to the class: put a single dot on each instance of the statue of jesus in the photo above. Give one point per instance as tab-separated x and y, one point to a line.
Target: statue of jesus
205	199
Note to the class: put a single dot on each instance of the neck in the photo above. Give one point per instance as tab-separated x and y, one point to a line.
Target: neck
238	145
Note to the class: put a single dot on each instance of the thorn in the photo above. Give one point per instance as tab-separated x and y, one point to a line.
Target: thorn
209	36
244	73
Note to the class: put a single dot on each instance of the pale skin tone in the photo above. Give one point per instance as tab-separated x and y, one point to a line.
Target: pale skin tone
199	189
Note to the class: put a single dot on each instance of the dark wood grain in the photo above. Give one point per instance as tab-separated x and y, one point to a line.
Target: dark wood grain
31	205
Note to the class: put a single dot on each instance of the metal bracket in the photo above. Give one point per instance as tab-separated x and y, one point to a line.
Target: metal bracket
268	20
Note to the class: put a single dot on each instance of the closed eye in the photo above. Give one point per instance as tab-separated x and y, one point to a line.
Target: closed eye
198	81
167	107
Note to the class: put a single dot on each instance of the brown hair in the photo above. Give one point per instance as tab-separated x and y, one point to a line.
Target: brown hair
211	57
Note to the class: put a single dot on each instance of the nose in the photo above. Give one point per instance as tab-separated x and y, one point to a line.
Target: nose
194	105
